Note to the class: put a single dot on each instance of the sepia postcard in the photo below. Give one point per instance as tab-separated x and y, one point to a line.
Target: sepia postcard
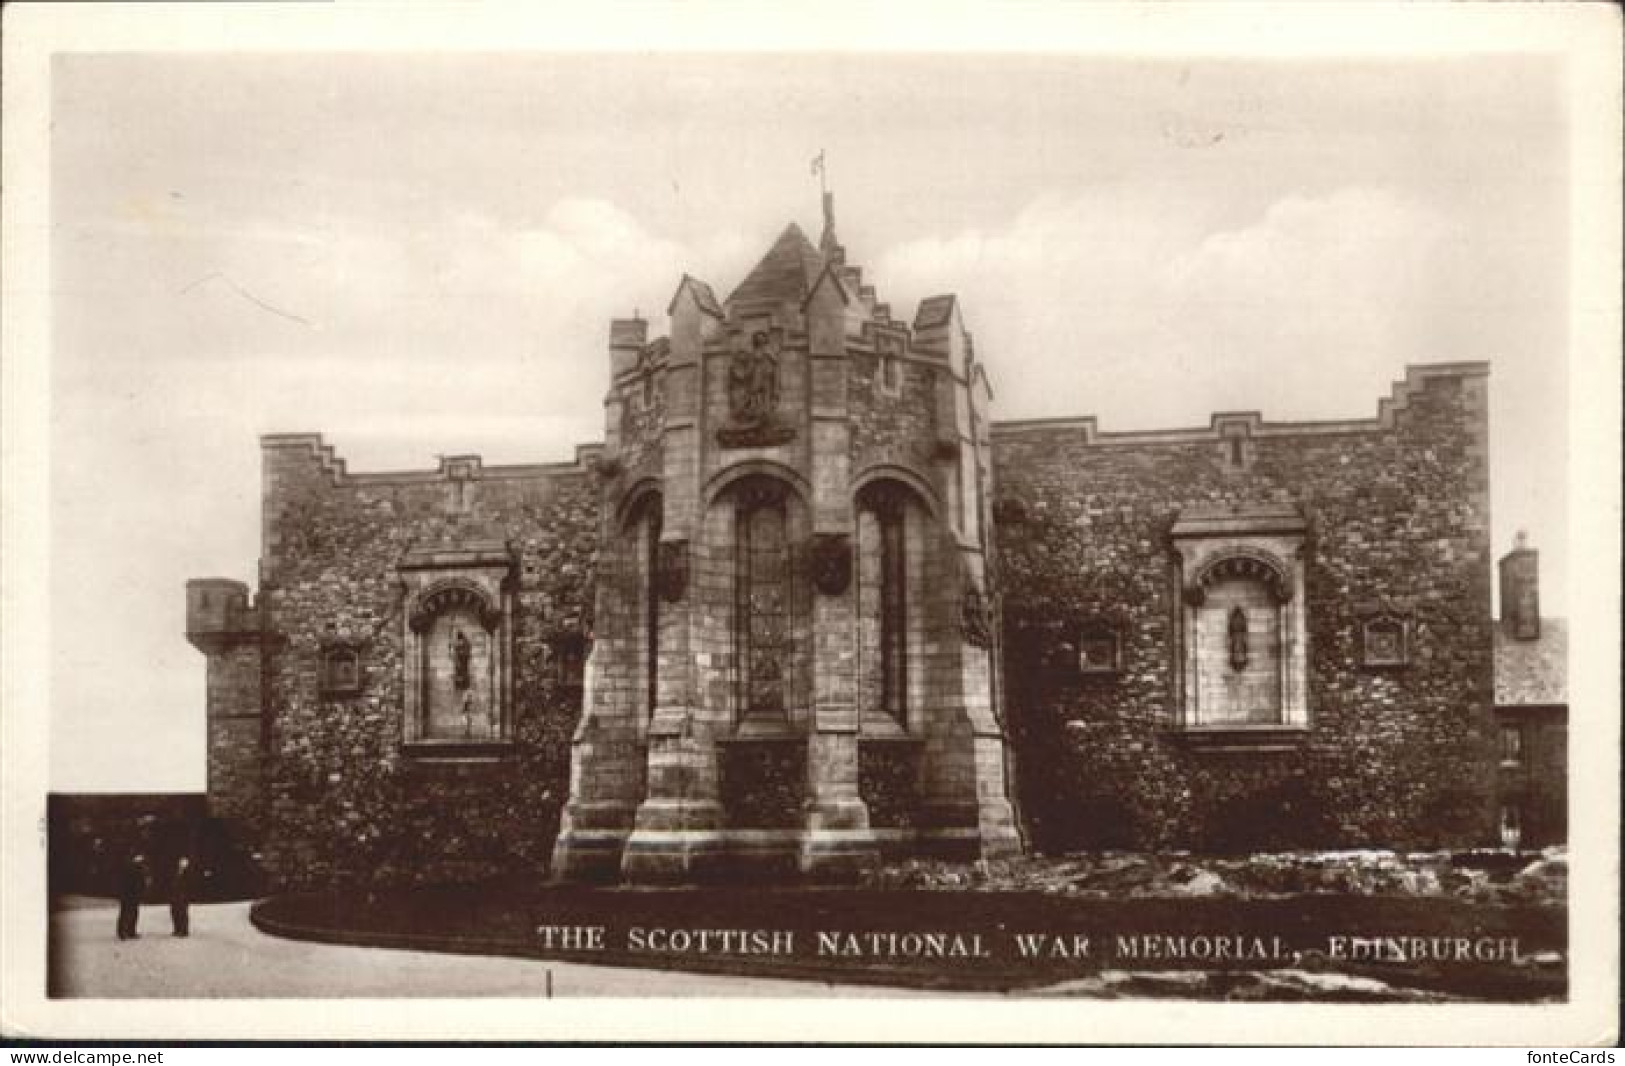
1042	523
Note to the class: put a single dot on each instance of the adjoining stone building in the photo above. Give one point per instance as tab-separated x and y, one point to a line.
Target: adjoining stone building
1531	708
806	607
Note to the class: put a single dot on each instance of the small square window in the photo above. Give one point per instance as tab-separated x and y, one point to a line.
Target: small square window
1385	643
341	670
1098	650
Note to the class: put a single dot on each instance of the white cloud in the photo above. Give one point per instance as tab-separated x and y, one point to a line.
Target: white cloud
1095	304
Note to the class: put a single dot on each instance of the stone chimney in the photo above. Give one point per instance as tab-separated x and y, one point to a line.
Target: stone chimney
1520	590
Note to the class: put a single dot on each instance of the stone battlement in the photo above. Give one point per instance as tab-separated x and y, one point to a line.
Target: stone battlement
451	467
1251	423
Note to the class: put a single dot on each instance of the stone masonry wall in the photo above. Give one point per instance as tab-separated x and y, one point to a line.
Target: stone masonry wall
1398	515
234	723
347	803
892	426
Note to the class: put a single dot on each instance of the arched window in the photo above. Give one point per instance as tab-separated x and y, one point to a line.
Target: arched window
763	609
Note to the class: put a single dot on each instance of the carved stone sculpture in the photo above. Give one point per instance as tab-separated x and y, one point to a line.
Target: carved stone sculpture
671	569
753	397
975	616
832	563
1238	639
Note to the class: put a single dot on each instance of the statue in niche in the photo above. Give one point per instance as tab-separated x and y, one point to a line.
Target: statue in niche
1238	639
462	679
462	653
753	397
753	382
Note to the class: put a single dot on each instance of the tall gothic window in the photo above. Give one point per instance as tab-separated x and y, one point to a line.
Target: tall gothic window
651	609
644	534
883	601
893	613
762	608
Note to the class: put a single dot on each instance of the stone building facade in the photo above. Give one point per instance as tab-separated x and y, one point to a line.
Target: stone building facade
339	722
807	607
1531	709
1253	635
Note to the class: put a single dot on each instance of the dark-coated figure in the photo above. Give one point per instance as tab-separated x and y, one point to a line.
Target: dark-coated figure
132	887
180	897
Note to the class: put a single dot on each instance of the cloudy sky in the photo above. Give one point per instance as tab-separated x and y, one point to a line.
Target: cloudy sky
420	254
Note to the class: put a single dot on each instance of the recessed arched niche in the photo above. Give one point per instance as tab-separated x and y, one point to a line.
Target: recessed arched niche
457	650
1243	630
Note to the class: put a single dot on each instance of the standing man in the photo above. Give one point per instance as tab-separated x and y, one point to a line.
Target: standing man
180	896
132	886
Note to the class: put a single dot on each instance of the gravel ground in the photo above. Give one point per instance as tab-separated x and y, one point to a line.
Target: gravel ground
227	957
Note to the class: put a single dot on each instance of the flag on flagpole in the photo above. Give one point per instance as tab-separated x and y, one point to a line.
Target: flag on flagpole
818	162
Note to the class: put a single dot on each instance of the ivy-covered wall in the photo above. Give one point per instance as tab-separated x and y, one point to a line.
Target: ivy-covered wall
1397	513
346	798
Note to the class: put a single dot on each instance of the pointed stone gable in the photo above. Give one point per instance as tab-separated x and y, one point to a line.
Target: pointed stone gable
830	277
785	274
703	296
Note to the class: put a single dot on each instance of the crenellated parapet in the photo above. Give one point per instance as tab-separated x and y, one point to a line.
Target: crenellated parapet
1392	410
307	490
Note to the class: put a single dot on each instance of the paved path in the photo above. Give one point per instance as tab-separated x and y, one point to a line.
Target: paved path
227	957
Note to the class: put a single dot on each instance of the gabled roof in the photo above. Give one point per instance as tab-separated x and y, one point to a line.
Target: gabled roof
786	272
702	295
1532	671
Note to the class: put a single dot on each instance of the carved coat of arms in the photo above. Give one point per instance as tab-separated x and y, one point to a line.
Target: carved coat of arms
832	563
671	569
975	616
